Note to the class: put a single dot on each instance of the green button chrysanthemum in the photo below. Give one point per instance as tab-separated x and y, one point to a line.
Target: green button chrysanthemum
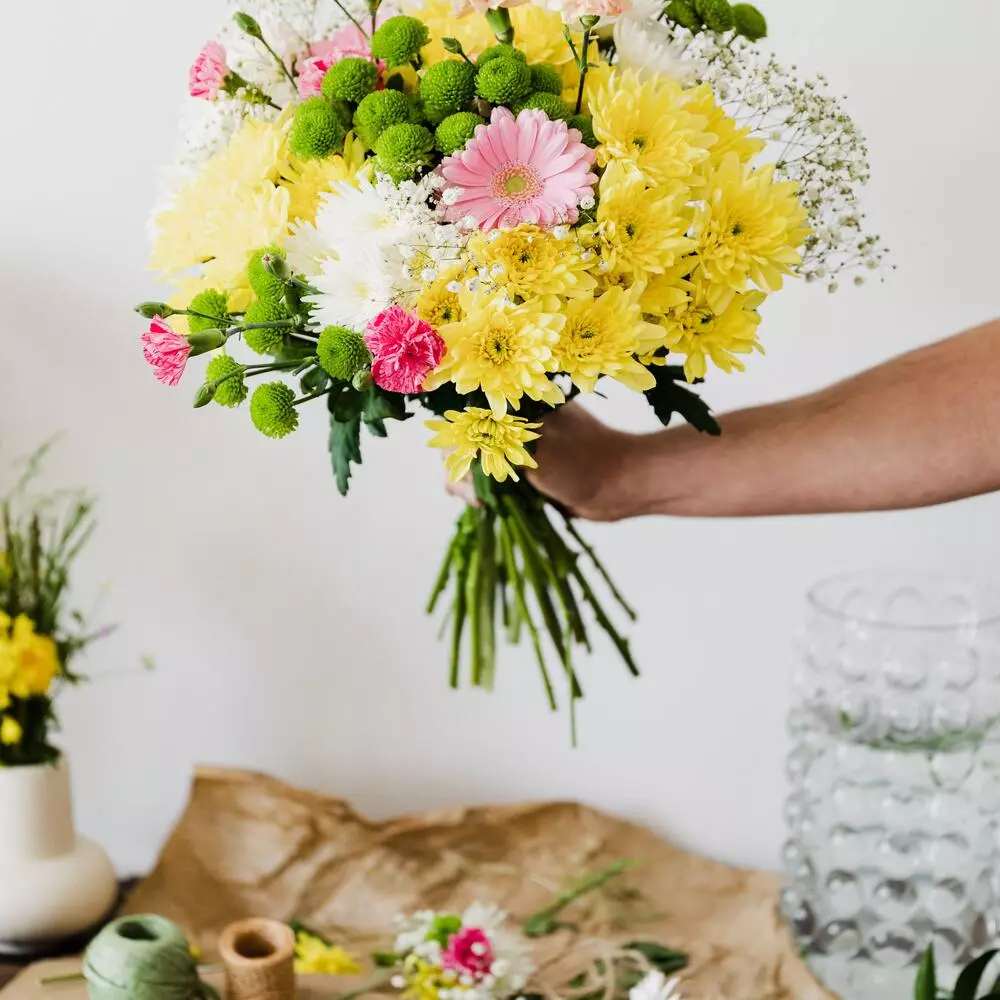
554	107
268	339
317	131
585	123
749	22
455	131
446	88
265	284
717	14
271	409
402	150
503	80
342	352
350	79
497	51
232	387
547	78
400	40
378	111
683	13
212	303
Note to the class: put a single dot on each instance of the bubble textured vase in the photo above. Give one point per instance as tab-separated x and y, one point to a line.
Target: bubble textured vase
894	805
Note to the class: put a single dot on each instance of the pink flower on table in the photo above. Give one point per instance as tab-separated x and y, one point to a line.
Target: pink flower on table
469	951
524	169
208	72
405	350
166	351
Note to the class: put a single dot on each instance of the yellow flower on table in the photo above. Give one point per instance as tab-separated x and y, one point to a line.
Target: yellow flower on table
496	440
505	350
11	732
748	229
314	956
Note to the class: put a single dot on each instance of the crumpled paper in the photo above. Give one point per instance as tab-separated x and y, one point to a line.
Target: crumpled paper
249	845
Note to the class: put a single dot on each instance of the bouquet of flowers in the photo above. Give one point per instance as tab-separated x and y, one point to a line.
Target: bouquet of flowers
482	211
40	537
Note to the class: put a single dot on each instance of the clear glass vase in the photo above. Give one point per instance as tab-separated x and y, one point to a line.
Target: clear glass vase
894	807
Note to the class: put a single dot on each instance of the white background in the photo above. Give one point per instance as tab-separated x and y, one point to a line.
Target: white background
287	623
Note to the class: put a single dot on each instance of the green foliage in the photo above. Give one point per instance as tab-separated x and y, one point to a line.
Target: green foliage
443	927
547	78
262	281
212	304
317	131
272	410
585	123
447	87
345	407
403	150
267	339
683	13
967	986
342	352
399	40
380	406
670	396
455	131
503	80
749	22
231	389
717	14
501	49
378	111
554	107
351	79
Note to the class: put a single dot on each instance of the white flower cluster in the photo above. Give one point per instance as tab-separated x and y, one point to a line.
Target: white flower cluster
644	42
816	144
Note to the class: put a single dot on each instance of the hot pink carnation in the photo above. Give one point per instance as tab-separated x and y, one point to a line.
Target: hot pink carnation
524	169
404	349
208	72
469	951
166	351
347	41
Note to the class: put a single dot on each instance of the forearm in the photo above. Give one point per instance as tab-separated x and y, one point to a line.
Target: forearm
919	430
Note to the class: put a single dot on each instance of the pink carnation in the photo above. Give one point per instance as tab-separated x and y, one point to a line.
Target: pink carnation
166	351
404	349
469	951
572	10
209	72
524	169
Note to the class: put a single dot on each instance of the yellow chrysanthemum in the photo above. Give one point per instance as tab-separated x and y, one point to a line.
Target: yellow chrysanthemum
730	137
10	731
496	440
602	337
439	303
34	658
748	229
703	334
306	180
642	228
646	125
233	206
528	261
539	32
313	956
503	349
663	292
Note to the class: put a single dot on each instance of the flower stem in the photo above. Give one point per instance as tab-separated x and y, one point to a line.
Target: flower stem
312	395
499	21
546	921
281	66
588	21
351	17
599	566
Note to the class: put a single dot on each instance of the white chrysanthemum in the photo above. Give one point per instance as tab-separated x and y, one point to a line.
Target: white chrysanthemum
353	288
646	44
355	210
413	930
655	986
306	249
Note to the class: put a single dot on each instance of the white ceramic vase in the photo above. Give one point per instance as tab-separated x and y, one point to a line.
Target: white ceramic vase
53	884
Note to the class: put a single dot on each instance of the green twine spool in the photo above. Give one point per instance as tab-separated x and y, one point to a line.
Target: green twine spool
143	958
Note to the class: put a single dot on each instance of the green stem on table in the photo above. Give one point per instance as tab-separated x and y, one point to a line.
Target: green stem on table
598	565
546	921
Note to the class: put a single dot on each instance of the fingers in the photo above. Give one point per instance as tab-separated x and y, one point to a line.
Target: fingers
463	489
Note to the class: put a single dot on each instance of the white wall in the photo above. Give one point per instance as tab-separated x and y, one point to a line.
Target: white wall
287	623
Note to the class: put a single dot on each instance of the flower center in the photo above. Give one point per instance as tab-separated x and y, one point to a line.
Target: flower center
515	184
697	320
497	346
639	142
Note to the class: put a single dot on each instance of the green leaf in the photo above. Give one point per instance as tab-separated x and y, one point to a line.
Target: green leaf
386	959
968	982
926	986
380	406
667	960
345	448
447	397
669	396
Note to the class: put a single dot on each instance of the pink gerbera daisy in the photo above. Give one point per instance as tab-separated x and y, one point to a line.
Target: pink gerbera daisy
524	169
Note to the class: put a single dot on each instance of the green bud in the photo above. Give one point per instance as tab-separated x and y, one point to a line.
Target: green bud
247	25
589	20
204	395
151	309
683	13
717	14
452	45
276	266
362	380
314	380
205	341
749	22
